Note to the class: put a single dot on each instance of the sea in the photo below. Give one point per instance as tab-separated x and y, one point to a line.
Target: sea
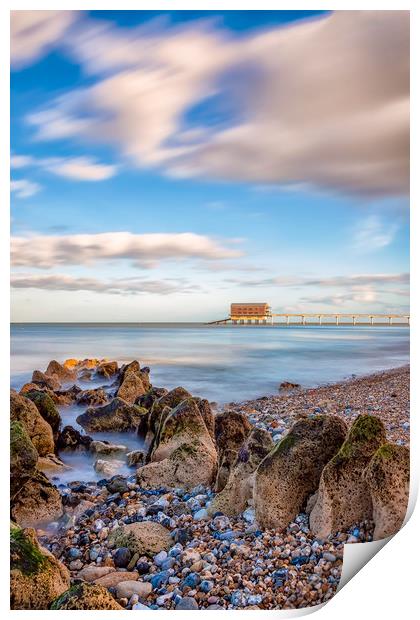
221	363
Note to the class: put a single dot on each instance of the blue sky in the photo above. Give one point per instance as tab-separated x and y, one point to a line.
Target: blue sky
166	164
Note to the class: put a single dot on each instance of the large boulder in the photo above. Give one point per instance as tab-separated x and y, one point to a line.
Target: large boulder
63	374
37	502
185	454
144	538
40	378
388	480
23	410
69	396
231	430
70	439
148	399
234	497
86	596
150	424
23	456
291	471
118	415
343	497
132	387
91	398
46	407
207	415
36	576
107	369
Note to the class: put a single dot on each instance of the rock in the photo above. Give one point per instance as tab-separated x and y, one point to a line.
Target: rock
112	579
46	408
108	468
291	471
70	439
288	385
67	397
90	573
144	538
126	589
43	380
233	499
36	502
93	397
63	374
343	497
131	388
122	557
23	456
136	457
51	464
107	369
388	480
23	410
117	416
86	596
36	576
153	394
150	424
187	604
117	484
201	515
105	447
207	415
231	430
185	454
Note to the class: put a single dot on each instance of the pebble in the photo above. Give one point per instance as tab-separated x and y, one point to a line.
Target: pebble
187	604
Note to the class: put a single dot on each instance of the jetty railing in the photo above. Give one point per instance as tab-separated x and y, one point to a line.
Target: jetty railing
317	318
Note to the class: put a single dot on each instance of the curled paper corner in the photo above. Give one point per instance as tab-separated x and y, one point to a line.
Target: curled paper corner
357	555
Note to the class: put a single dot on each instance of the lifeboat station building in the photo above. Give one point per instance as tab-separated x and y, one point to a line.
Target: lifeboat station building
257	313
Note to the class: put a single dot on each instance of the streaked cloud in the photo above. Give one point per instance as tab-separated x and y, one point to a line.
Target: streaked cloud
32	33
128	286
374	233
76	168
331	281
144	250
23	188
321	103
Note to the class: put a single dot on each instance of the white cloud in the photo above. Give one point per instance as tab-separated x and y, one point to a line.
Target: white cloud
355	280
24	188
145	250
323	103
131	286
33	32
374	233
78	168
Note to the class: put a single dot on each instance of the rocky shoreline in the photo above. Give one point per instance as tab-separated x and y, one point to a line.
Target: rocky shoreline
244	508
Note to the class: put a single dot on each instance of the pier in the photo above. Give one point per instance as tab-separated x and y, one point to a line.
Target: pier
261	314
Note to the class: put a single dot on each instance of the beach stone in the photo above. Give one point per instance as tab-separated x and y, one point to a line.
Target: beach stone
126	589
70	439
90	573
23	410
122	557
292	470
117	416
231	430
23	456
112	579
86	596
117	484
36	576
93	397
288	385
46	407
44	380
51	464
187	604
63	374
343	497
67	397
185	454
388	480
36	502
144	538
132	387
233	499
105	447
108	468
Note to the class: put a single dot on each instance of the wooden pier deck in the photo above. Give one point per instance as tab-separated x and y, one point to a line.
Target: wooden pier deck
323	318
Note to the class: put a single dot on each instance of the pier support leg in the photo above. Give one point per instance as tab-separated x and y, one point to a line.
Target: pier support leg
336	319
320	319
354	320
371	320
390	320
287	320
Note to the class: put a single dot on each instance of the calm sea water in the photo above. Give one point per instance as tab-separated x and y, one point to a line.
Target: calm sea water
222	364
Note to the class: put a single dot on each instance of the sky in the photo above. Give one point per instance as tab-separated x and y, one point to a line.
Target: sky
166	164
